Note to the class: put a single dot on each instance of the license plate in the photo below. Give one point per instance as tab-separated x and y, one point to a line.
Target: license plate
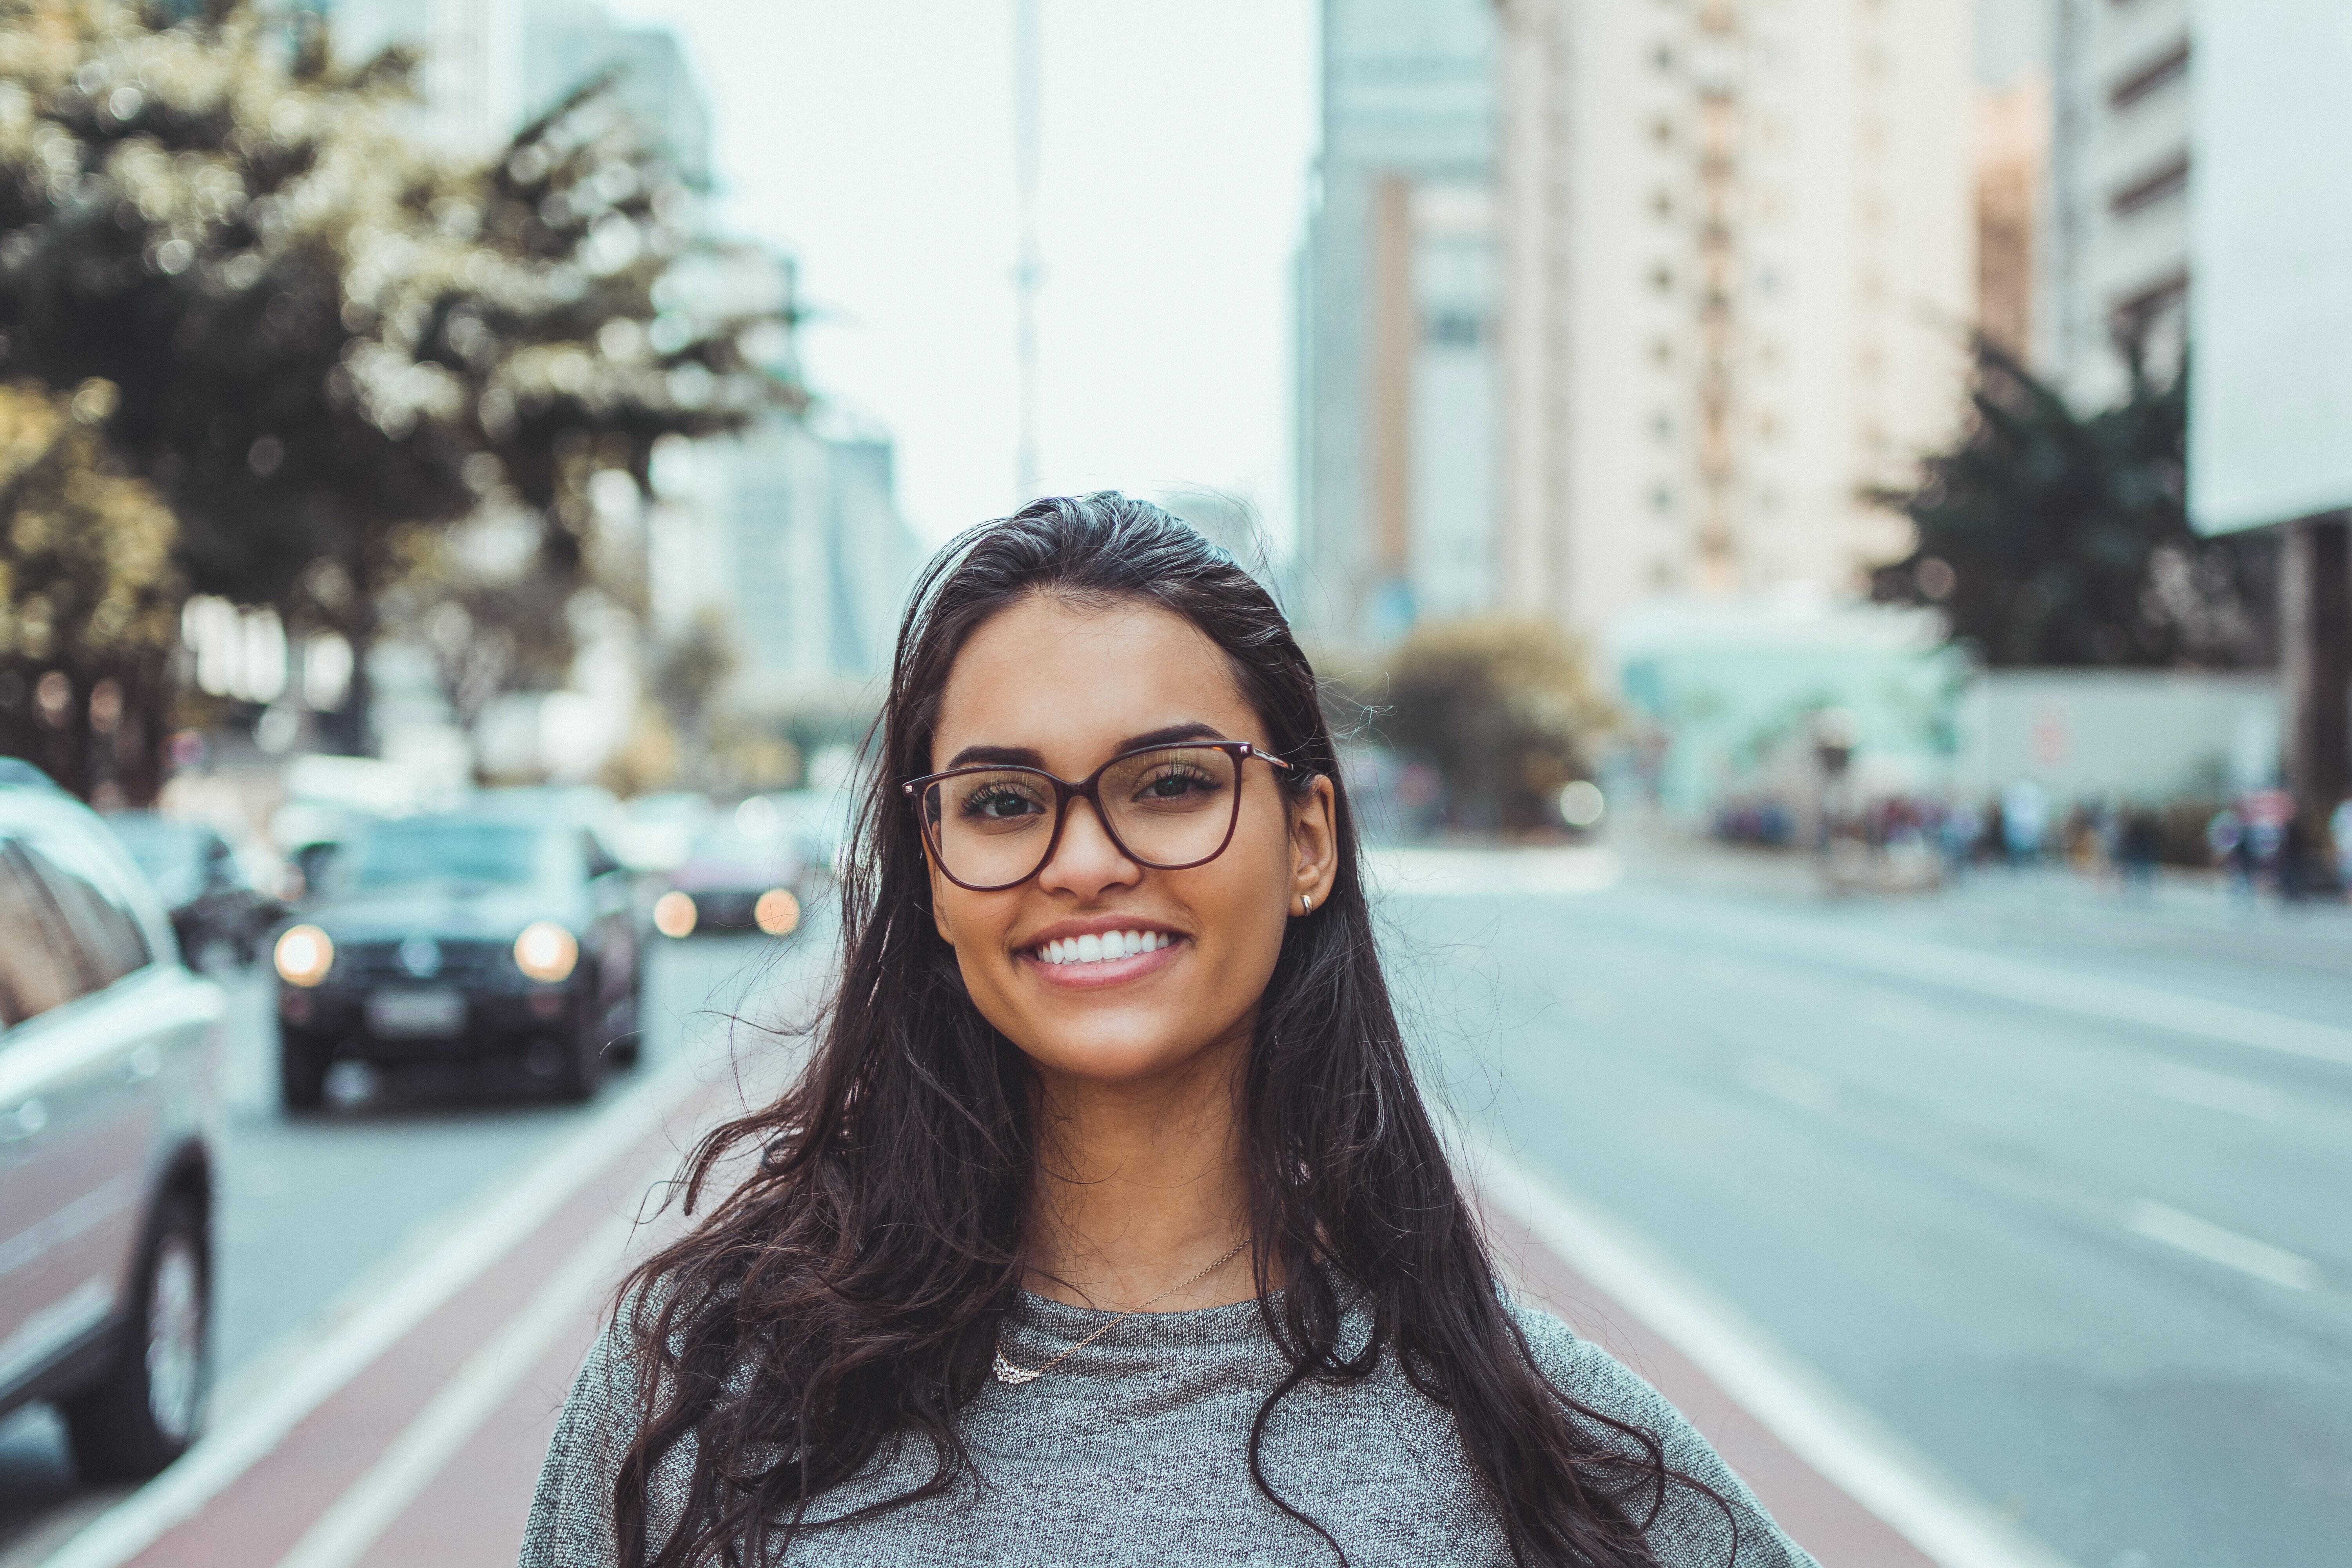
415	1012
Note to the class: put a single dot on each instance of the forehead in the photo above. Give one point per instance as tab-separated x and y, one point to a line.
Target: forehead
1071	682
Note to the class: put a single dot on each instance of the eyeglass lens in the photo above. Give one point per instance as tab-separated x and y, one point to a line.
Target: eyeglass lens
1170	806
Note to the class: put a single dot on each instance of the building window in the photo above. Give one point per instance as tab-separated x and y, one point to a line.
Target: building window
2167	179
1662	205
1661	352
1662	499
2168	67
1662	426
1662	277
1454	329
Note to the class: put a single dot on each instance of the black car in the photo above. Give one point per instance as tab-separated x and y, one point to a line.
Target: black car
212	904
462	936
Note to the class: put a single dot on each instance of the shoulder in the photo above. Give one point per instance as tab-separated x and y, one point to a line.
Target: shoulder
571	1522
1586	1373
1690	1527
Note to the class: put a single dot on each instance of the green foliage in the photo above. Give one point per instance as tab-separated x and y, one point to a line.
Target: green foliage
2053	537
330	337
89	598
1503	709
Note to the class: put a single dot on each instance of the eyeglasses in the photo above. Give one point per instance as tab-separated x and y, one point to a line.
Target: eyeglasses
1166	807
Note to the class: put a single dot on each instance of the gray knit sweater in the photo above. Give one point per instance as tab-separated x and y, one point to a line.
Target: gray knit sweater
1135	1451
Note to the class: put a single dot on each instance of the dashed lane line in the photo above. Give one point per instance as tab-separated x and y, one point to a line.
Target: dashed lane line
2219	1243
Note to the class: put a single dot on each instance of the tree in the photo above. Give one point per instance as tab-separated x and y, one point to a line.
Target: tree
328	337
2051	538
88	597
1502	708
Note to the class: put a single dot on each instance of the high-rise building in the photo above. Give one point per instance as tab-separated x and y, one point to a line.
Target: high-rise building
1397	302
489	65
2012	175
1739	273
2118	260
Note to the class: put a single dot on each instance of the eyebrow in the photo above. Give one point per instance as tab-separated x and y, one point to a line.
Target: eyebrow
1029	757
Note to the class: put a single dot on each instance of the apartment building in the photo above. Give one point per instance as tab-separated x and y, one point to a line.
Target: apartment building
1739	242
1397	296
2118	256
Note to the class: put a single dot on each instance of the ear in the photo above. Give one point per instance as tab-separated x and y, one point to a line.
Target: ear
1313	846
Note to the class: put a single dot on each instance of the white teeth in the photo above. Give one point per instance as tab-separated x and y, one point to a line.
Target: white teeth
1105	948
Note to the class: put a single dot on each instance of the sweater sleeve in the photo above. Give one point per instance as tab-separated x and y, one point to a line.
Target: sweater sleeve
1691	1530
572	1511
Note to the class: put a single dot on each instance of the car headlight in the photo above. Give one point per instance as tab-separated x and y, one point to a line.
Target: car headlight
303	955
778	912
674	915
546	951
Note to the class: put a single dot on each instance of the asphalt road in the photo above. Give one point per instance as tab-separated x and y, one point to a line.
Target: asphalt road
2053	1183
316	1215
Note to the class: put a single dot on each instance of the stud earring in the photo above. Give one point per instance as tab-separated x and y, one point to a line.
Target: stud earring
1306	903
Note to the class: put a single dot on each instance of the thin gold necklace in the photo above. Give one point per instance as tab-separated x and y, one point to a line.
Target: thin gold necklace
1006	1373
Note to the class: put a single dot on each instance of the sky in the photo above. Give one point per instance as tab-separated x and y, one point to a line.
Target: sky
873	139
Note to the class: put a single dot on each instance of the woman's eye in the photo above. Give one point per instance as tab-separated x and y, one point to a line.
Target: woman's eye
1176	784
998	804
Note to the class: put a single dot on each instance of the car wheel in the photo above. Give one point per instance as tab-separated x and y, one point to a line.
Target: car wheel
301	1073
147	1407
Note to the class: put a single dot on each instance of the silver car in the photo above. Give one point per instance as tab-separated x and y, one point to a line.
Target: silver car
107	1065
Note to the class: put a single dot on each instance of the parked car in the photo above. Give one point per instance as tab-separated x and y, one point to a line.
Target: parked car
488	933
213	903
743	872
109	1048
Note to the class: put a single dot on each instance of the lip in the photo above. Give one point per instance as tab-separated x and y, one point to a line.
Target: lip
1096	976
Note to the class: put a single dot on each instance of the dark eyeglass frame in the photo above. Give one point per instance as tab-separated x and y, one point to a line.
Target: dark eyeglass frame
1088	789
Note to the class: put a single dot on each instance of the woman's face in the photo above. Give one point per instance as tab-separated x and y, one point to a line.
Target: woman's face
1065	688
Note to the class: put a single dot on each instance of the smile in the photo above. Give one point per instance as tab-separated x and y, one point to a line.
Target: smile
1109	947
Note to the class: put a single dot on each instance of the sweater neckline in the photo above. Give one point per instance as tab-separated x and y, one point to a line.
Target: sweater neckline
1060	1324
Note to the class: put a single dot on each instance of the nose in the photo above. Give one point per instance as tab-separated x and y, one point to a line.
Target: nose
1087	861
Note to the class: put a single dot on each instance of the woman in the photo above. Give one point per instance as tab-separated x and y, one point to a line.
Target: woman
1105	1223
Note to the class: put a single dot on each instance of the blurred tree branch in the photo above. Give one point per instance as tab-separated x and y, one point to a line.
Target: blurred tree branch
1504	709
330	337
89	596
2051	538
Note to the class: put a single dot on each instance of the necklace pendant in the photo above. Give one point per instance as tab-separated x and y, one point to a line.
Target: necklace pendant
1011	1375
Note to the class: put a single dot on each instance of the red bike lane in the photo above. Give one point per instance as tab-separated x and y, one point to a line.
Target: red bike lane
424	1454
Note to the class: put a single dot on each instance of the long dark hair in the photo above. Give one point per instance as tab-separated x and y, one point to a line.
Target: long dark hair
848	1293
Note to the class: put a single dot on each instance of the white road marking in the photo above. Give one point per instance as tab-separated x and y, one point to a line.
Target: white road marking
2032	985
2219	1243
357	1519
239	1443
1874	1467
1468	873
2218	1091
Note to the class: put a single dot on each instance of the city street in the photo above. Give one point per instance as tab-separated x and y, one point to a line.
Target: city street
2056	1187
2038	1191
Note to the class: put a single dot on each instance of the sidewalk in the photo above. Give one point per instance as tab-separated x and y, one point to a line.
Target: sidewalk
411	1438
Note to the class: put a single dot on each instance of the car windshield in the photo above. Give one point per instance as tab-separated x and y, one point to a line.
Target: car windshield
426	851
166	850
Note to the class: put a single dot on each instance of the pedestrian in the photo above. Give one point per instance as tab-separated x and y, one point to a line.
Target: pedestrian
1106	1223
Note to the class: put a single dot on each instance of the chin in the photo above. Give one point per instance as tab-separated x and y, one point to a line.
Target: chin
1114	1057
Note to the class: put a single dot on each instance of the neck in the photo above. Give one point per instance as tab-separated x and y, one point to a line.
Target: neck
1139	1186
